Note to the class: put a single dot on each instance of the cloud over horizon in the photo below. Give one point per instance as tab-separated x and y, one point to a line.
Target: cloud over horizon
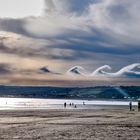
89	33
130	71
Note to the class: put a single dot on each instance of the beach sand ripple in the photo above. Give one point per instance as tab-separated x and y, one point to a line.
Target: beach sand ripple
103	124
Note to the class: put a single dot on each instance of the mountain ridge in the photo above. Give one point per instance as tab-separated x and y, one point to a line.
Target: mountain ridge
99	92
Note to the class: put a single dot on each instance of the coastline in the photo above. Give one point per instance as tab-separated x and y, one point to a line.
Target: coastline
33	103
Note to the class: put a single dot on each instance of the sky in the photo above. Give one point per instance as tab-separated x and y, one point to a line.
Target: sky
56	40
20	8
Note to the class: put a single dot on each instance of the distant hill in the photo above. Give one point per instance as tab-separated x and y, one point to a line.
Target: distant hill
104	92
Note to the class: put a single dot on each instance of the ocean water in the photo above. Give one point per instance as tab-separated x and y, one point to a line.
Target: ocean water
30	103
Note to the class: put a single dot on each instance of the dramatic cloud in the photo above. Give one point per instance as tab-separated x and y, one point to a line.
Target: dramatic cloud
45	70
129	71
76	70
92	27
101	71
89	33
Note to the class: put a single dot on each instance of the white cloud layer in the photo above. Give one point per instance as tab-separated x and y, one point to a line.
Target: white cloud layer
117	20
130	71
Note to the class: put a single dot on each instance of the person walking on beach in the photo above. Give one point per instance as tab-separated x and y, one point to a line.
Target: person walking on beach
83	103
65	105
130	106
138	105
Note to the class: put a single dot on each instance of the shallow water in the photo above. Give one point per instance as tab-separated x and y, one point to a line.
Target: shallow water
30	103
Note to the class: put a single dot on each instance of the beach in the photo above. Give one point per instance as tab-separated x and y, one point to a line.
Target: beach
70	124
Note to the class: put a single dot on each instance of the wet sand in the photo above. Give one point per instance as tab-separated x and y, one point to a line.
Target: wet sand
70	124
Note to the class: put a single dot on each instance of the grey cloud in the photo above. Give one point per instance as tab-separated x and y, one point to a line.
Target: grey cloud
70	54
90	29
50	7
13	25
72	6
15	50
46	70
5	69
104	38
30	49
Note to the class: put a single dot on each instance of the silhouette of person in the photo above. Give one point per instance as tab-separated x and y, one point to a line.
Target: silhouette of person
130	106
138	105
65	105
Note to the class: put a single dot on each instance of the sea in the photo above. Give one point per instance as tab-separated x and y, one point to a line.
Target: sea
34	104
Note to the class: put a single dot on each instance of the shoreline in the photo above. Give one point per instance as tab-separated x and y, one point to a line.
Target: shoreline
36	104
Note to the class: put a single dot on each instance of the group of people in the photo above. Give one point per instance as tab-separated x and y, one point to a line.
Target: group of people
131	107
72	104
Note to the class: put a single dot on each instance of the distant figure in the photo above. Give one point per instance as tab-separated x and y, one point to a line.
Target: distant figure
75	106
70	104
138	105
65	105
130	106
83	103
